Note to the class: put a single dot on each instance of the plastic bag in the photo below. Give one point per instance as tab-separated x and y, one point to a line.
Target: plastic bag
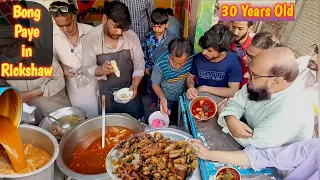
28	114
82	78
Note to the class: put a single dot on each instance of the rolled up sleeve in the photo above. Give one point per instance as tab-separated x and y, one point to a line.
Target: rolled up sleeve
56	83
281	128
138	57
283	158
234	107
89	57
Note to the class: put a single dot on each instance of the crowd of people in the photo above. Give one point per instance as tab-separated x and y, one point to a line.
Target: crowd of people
266	109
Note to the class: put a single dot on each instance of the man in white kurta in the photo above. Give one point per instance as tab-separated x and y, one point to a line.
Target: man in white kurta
276	111
67	48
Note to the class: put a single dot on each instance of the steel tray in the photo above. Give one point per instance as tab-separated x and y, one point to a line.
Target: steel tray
173	134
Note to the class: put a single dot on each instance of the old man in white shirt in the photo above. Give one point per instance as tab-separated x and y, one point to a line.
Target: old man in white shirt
276	111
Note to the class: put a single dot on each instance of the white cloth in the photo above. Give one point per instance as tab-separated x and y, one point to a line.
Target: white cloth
284	119
86	97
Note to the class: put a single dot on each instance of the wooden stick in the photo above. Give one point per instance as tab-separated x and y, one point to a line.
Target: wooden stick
103	120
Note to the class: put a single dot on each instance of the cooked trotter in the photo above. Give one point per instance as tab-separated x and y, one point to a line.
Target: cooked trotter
157	176
163	173
181	167
174	155
194	164
160	158
190	150
128	159
180	160
182	143
157	136
172	178
171	147
145	171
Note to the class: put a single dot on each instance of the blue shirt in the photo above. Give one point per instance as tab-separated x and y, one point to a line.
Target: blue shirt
151	43
216	74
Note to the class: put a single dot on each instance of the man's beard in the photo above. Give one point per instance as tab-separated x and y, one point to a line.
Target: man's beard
241	37
259	94
112	36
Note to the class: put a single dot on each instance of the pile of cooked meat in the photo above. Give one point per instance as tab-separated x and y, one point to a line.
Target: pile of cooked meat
159	158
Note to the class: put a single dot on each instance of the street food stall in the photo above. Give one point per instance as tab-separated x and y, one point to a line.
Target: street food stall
161	153
81	155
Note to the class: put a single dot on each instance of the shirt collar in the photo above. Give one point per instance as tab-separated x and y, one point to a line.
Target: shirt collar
291	88
165	35
244	46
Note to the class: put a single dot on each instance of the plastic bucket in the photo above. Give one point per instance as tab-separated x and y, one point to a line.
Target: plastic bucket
157	115
11	104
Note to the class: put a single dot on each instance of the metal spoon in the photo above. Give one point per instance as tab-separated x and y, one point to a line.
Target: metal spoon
65	125
50	117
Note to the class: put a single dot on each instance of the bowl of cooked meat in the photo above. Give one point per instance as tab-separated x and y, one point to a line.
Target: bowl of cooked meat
228	173
154	155
203	108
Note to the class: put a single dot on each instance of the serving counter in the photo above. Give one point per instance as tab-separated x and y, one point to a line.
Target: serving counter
212	137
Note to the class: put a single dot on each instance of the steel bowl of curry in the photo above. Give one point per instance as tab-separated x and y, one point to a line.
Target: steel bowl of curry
203	108
26	153
81	155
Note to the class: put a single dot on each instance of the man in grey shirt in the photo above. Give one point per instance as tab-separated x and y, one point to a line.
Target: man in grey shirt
170	73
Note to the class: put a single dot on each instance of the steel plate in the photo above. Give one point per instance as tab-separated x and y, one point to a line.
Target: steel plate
173	134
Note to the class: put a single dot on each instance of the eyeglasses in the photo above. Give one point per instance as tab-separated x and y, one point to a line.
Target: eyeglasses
63	9
256	76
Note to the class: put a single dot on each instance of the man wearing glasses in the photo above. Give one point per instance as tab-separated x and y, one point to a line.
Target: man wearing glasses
276	111
67	48
112	40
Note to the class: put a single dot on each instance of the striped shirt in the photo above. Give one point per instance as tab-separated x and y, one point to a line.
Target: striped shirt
172	81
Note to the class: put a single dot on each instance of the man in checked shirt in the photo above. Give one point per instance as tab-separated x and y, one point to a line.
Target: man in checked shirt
140	12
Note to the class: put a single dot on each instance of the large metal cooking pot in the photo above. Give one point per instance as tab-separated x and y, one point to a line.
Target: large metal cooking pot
70	141
42	139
